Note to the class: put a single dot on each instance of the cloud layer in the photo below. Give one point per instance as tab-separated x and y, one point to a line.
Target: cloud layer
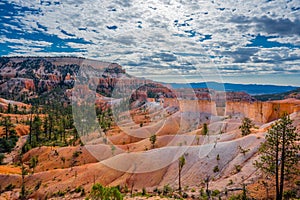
160	37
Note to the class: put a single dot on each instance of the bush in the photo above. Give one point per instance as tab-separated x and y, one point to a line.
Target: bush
289	194
216	169
59	194
156	190
215	193
144	192
238	168
236	197
230	182
185	195
105	193
78	189
167	190
76	154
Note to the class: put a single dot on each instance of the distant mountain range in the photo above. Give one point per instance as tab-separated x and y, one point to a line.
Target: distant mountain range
252	89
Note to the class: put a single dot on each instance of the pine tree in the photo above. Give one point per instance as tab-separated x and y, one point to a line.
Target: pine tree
46	126
30	125
51	125
36	127
153	140
8	125
9	108
24	172
247	124
16	109
181	163
204	129
279	153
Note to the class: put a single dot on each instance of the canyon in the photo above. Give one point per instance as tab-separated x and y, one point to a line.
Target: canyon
114	147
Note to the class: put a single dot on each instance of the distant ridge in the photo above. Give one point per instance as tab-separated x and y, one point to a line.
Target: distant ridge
252	89
289	94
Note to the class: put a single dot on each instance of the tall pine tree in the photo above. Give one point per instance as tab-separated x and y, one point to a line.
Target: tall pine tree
279	152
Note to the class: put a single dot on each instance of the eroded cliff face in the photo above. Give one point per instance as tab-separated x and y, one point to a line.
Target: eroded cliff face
262	112
24	78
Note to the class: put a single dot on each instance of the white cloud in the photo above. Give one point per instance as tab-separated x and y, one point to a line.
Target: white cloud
146	28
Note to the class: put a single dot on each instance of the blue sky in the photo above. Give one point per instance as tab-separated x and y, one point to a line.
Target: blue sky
235	41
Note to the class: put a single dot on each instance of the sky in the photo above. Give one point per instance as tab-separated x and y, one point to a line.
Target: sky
237	41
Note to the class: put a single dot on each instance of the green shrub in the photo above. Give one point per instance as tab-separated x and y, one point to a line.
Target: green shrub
289	194
185	195
215	193
167	190
78	189
238	168
236	197
230	182
216	169
76	154
59	193
105	193
125	189
144	192
158	191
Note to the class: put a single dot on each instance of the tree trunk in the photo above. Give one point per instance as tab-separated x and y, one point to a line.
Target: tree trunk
276	169
37	136
282	164
207	184
50	128
30	130
23	189
6	129
179	179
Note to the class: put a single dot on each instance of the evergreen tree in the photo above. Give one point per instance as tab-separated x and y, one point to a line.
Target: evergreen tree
9	108
46	126
8	125
51	125
181	163
36	127
279	153
30	125
247	124
204	129
153	140
16	109
24	172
